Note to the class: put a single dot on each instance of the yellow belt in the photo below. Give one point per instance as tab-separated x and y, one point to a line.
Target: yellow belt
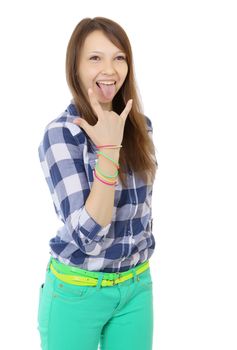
88	281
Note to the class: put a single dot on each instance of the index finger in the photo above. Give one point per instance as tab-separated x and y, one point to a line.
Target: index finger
94	103
126	110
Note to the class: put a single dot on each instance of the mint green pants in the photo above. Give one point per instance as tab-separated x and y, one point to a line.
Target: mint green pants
118	317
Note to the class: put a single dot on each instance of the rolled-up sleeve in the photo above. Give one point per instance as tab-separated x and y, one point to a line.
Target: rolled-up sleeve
62	158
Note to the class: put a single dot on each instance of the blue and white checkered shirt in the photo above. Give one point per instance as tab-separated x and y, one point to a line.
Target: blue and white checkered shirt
68	157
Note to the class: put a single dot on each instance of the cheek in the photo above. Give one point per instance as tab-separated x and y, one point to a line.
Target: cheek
87	80
124	69
87	74
123	73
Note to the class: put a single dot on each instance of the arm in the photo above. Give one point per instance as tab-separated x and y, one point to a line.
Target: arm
63	157
100	201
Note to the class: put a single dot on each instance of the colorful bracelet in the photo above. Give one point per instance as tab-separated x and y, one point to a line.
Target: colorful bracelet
105	155
109	146
107	176
105	182
104	178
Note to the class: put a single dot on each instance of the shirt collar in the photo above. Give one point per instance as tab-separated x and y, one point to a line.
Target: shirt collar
72	108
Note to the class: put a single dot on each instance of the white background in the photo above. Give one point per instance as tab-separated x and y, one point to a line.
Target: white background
185	61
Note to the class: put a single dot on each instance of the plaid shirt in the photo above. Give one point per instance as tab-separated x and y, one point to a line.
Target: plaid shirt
68	157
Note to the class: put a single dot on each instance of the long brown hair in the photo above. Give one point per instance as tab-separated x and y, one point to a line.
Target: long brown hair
138	151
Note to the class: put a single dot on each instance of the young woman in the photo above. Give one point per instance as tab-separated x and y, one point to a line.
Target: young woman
99	162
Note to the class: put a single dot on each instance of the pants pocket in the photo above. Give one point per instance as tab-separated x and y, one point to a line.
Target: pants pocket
71	293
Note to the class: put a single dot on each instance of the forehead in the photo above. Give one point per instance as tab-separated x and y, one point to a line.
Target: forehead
98	41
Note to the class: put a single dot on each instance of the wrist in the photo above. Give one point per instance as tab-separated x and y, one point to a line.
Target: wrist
112	153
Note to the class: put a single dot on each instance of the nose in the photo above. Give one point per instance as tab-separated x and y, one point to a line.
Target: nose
108	67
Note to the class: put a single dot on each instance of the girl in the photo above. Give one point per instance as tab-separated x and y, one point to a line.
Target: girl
99	162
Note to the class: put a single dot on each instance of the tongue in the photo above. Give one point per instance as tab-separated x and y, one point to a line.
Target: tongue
107	90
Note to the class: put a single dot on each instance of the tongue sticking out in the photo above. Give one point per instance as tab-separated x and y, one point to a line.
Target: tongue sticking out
107	90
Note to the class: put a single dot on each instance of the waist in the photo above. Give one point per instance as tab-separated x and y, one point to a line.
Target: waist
74	275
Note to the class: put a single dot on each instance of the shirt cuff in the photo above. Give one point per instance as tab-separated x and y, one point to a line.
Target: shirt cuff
90	230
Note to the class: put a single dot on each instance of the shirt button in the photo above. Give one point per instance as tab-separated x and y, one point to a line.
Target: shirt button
87	240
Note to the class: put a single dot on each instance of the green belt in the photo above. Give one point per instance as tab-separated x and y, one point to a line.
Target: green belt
80	277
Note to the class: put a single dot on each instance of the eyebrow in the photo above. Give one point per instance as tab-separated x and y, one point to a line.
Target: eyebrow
101	52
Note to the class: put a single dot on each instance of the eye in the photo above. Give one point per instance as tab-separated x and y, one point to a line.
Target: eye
94	58
121	58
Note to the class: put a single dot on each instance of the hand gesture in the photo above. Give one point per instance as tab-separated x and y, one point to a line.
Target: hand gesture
109	127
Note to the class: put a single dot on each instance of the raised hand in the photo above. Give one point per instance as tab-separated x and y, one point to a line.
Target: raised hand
109	127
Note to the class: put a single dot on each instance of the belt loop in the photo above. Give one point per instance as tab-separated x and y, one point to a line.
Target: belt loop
100	278
135	279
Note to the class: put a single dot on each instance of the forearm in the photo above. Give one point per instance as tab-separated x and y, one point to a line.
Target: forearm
100	201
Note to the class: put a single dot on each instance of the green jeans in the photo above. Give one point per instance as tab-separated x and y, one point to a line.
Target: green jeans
118	317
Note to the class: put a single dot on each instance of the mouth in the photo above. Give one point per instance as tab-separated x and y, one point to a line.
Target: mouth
107	89
105	82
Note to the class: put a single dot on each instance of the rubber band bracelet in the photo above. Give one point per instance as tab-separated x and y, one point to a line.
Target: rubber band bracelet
105	155
104	178
105	182
109	146
107	176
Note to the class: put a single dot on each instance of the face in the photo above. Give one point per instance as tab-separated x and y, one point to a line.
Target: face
102	67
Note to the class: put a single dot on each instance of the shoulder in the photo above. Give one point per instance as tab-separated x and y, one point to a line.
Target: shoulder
62	129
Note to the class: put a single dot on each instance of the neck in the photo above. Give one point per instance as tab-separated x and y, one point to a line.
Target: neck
106	106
